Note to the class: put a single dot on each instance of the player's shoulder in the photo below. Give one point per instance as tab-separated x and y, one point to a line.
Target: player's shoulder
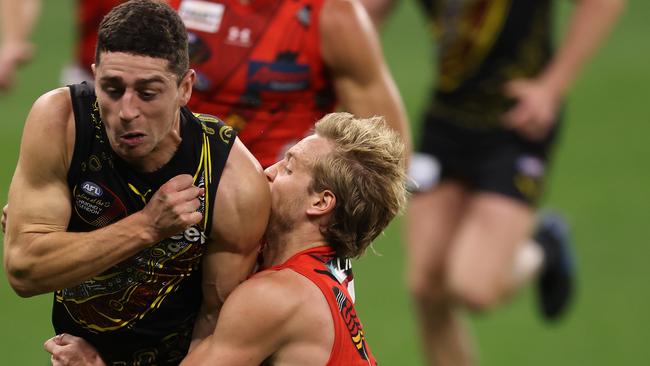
57	102
287	283
276	293
51	112
243	175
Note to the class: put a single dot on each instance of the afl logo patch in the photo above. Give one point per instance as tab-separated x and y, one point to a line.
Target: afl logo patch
97	205
92	189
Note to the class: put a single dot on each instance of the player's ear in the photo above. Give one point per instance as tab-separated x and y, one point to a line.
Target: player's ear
185	86
322	203
93	67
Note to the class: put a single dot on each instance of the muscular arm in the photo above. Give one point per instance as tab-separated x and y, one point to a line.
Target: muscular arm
538	99
379	10
39	255
351	50
254	323
241	212
17	19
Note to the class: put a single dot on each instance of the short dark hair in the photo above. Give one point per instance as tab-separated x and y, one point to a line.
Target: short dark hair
145	28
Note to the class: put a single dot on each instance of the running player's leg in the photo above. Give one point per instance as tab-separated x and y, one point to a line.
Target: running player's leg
433	217
482	256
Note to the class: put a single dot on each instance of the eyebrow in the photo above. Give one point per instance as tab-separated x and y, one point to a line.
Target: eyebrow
138	83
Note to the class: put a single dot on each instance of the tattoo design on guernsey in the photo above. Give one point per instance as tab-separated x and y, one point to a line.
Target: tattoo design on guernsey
129	290
340	270
352	321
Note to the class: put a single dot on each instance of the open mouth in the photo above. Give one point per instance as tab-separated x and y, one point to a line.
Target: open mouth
132	138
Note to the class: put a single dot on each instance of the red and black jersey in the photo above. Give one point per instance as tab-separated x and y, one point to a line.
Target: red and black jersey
89	14
259	68
321	266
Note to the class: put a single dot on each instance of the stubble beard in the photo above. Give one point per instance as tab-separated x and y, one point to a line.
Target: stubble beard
278	226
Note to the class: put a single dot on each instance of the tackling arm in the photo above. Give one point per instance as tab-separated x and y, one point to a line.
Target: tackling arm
253	324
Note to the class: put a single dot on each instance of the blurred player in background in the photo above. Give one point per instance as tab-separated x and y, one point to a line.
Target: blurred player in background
479	171
18	19
269	68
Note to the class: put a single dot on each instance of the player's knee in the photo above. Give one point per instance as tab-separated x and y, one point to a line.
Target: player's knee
425	289
479	293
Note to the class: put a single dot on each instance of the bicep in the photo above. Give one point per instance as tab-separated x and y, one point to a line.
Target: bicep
39	198
240	214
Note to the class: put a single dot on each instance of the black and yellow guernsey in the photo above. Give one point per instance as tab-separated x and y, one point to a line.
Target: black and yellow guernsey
140	311
481	45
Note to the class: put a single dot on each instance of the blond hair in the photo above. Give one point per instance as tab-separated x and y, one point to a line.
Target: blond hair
366	172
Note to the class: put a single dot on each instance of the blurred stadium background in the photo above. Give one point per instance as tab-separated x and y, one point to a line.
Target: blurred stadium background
600	180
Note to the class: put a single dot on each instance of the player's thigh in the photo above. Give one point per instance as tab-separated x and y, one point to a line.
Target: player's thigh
481	259
432	219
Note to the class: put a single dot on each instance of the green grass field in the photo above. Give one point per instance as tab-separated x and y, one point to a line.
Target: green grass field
597	181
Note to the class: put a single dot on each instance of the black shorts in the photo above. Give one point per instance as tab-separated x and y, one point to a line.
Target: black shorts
492	160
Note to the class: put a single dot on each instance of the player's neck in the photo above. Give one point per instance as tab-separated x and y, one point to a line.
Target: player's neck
282	246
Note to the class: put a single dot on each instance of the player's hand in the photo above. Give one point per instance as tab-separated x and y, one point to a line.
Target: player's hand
12	56
535	110
67	350
173	208
4	218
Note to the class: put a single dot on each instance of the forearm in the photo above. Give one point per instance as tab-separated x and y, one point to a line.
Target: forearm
40	262
590	23
18	20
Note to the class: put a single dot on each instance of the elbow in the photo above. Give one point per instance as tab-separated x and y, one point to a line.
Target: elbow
21	279
22	286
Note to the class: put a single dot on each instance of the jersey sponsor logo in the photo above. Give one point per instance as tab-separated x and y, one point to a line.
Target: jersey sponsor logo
278	76
239	36
204	16
92	189
192	234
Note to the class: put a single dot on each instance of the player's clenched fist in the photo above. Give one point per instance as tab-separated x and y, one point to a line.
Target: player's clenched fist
174	207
